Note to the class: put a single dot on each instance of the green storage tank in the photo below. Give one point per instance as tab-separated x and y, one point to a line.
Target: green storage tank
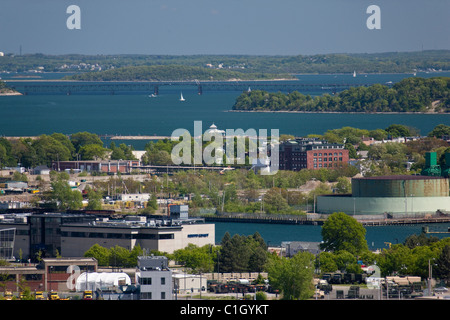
430	159
400	186
431	166
446	171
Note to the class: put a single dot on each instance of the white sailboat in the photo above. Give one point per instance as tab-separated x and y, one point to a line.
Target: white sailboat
181	97
354	74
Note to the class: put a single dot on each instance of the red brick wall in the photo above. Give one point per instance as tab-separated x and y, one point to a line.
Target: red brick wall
336	160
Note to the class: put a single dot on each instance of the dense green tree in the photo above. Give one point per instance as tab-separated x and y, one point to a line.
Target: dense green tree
343	185
92	152
63	195
352	154
274	202
325	262
197	259
342	232
227	254
442	264
120	257
116	256
409	95
398	130
101	254
346	262
242	254
292	276
258	252
65	141
158	158
6	157
133	255
403	260
81	139
378	134
398	259
415	240
94	198
49	149
152	202
23	152
122	152
439	131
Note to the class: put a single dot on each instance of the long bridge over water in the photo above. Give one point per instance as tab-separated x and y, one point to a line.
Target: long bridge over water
152	87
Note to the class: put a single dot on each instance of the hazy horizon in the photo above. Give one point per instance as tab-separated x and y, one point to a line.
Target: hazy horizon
218	27
227	54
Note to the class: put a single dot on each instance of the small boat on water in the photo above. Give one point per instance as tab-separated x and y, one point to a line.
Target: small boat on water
354	74
181	97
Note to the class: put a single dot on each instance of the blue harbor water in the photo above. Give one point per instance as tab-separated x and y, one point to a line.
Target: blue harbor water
137	113
376	236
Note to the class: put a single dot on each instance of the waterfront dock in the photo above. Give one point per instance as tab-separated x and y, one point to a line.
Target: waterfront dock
405	221
268	220
304	220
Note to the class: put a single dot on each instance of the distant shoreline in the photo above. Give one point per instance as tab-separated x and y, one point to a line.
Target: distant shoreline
336	112
4	94
154	81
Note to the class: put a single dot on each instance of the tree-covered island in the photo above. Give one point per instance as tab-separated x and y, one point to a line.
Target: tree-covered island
413	94
172	73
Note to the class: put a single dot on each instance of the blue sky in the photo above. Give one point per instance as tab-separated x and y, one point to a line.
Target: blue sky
266	27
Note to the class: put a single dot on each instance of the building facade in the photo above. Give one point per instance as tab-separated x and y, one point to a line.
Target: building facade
102	166
186	283
48	275
38	235
160	235
311	153
154	278
71	235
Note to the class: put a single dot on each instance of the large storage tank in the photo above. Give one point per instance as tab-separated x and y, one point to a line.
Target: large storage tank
400	186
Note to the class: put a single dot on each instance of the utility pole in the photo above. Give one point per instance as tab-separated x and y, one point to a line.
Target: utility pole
429	277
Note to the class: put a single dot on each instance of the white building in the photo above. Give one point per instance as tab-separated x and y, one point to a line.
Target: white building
137	197
185	283
160	235
154	278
